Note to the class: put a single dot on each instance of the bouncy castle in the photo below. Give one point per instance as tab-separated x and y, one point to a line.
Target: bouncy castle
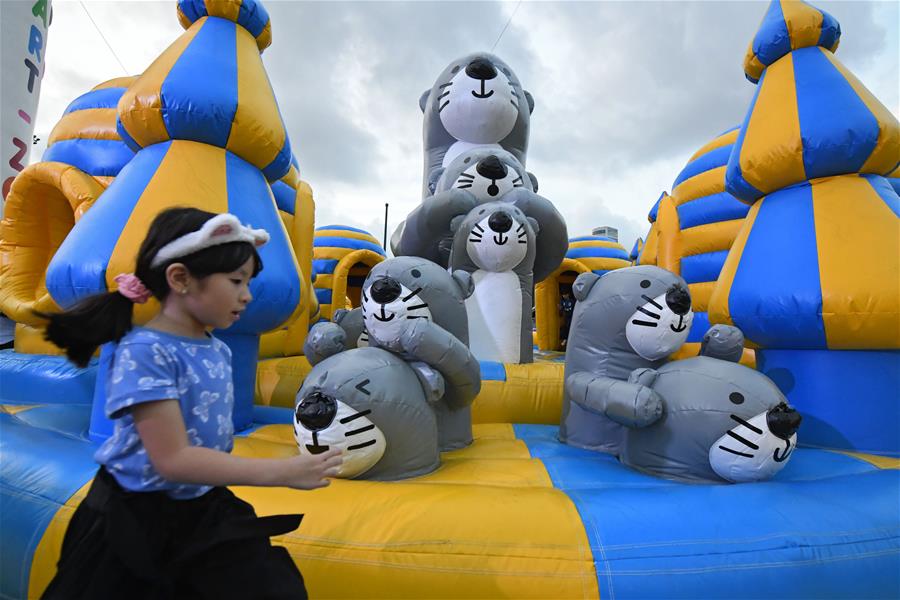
712	414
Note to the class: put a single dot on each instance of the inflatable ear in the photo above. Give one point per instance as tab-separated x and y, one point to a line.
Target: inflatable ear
423	99
433	178
465	282
432	381
534	225
723	342
583	284
533	178
530	100
456	222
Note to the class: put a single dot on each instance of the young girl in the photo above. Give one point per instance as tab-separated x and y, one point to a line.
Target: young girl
158	521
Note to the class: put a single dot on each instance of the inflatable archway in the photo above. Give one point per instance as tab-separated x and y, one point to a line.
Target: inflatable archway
342	257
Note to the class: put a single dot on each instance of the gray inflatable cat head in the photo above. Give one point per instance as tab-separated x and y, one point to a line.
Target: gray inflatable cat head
496	237
400	290
487	173
372	405
721	421
477	100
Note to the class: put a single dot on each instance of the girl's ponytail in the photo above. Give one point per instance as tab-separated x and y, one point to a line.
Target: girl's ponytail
93	321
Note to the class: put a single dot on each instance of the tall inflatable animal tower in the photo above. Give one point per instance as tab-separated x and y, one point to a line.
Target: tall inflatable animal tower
812	277
207	133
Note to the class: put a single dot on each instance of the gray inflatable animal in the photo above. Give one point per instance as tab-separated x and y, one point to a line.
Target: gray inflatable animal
487	173
374	406
628	319
477	100
415	308
345	331
720	422
495	243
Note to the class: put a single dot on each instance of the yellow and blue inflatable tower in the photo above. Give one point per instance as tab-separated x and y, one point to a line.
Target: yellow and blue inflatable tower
812	277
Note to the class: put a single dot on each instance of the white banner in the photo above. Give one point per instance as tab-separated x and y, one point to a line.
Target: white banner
23	35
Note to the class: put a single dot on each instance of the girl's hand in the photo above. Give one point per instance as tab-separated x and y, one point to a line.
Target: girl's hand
308	472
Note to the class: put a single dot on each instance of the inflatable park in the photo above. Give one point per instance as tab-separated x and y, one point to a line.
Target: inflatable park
524	411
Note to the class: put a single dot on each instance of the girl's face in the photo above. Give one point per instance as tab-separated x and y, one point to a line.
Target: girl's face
218	300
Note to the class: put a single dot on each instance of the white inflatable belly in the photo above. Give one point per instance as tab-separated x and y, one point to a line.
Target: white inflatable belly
495	316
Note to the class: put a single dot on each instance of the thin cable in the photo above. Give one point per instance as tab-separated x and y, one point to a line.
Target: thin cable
518	4
103	37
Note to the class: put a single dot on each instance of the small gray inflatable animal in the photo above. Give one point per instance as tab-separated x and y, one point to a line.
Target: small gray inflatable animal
495	243
628	319
415	308
345	331
476	101
487	173
374	406
720	422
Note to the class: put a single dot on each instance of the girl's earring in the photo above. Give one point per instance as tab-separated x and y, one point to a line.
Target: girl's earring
183	291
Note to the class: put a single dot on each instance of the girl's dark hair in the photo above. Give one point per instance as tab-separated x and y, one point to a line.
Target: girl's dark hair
106	317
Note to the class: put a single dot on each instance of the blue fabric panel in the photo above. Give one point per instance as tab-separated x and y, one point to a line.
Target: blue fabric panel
633	255
101	426
703	163
887	190
244	353
281	164
65	419
597	252
776	297
820	382
285	196
714	208
729	130
253	17
53	379
105	98
94	157
199	95
830	146
492	371
831	30
41	469
336	242
601	272
276	290
78	268
699	268
341	228
123	133
772	40
192	9
735	184
323	295
655	209
817	529
272	415
324	266
699	327
591	238
295	162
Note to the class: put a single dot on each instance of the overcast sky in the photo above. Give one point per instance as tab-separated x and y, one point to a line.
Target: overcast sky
624	92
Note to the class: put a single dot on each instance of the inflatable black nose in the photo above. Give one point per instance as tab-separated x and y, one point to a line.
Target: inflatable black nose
481	69
678	299
500	222
783	421
316	411
385	290
490	167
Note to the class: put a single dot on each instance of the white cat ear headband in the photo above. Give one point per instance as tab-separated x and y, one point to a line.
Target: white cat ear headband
221	229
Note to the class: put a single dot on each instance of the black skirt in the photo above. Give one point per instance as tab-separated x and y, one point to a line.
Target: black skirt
145	545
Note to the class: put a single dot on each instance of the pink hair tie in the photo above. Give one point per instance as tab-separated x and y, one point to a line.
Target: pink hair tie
132	288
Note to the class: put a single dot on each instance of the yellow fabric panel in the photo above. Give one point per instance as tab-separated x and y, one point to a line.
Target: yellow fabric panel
546	304
324	281
532	393
895	173
264	39
300	307
692	349
140	107
30	340
116	82
649	255
860	299
43	563
88	124
271	345
710	237
701	185
804	23
12	409
700	294
752	66
606	264
596	244
718	302
257	134
39	213
175	183
772	154
723	140
292	178
330	253
882	462
227	9
465	531
278	379
342	271
885	155
350	235
669	243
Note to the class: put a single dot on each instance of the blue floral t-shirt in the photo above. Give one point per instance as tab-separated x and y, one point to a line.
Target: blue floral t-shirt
151	365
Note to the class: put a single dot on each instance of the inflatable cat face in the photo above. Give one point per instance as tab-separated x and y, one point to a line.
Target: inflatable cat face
373	406
720	421
486	173
495	237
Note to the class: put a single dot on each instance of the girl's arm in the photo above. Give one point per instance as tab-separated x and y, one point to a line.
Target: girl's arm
161	428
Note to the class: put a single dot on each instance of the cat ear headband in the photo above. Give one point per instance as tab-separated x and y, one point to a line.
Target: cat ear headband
221	229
